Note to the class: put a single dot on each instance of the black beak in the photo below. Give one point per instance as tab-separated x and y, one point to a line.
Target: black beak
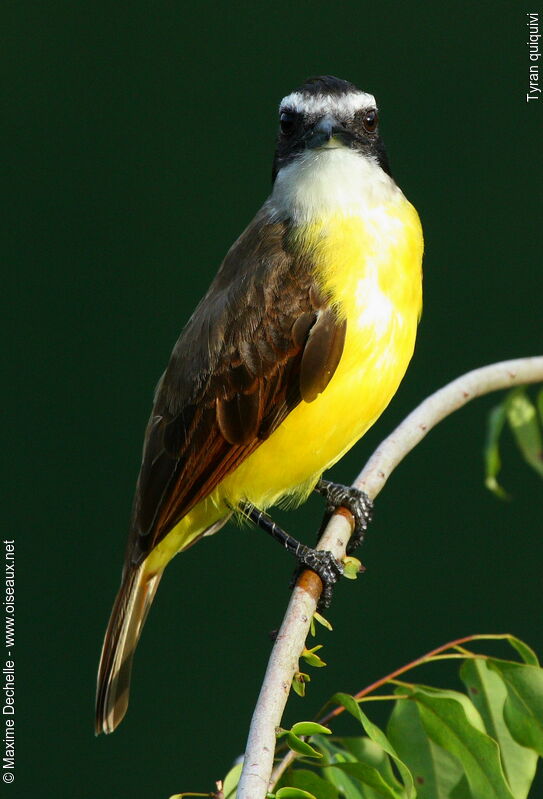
324	130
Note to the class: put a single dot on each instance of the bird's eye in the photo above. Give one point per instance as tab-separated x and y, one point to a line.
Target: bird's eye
370	120
287	120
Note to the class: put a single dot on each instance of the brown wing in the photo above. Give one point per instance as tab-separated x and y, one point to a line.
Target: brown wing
261	341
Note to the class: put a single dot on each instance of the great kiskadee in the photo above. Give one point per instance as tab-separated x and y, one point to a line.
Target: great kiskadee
298	346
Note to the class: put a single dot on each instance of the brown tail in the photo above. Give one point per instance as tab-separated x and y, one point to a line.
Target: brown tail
131	606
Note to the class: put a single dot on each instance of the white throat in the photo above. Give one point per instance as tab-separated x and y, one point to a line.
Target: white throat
330	180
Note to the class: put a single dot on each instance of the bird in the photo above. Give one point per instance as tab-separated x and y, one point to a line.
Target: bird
299	344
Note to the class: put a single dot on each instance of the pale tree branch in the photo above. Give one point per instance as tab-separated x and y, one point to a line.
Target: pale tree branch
289	644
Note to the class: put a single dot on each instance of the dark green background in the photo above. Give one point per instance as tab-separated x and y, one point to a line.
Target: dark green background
141	138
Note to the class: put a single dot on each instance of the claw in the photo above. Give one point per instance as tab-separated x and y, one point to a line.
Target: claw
326	566
355	501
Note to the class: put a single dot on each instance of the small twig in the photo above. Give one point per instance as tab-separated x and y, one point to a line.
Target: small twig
385	698
432	655
255	778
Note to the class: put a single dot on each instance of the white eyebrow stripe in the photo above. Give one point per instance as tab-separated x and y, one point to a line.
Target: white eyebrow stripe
345	105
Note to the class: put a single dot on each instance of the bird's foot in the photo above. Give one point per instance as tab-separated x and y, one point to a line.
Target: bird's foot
355	501
325	565
322	562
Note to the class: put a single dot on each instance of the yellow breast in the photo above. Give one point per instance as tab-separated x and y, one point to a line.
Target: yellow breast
370	263
371	266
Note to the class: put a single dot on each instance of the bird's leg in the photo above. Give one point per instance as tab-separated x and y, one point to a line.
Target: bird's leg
320	561
355	501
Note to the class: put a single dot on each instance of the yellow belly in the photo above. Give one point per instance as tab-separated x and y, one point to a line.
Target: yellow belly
371	267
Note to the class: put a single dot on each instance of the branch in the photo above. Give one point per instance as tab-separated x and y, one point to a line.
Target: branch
255	778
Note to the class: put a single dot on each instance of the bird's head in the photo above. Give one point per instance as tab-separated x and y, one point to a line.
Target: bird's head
328	113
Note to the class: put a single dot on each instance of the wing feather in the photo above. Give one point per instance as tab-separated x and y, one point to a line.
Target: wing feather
262	340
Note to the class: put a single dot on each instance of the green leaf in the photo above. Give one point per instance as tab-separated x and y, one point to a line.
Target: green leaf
299	681
352	567
367	751
540	405
349	787
488	693
523	709
527	653
368	775
231	781
445	721
311	658
461	791
472	714
293	793
322	620
311	782
309	728
378	736
495	422
301	747
522	418
435	771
